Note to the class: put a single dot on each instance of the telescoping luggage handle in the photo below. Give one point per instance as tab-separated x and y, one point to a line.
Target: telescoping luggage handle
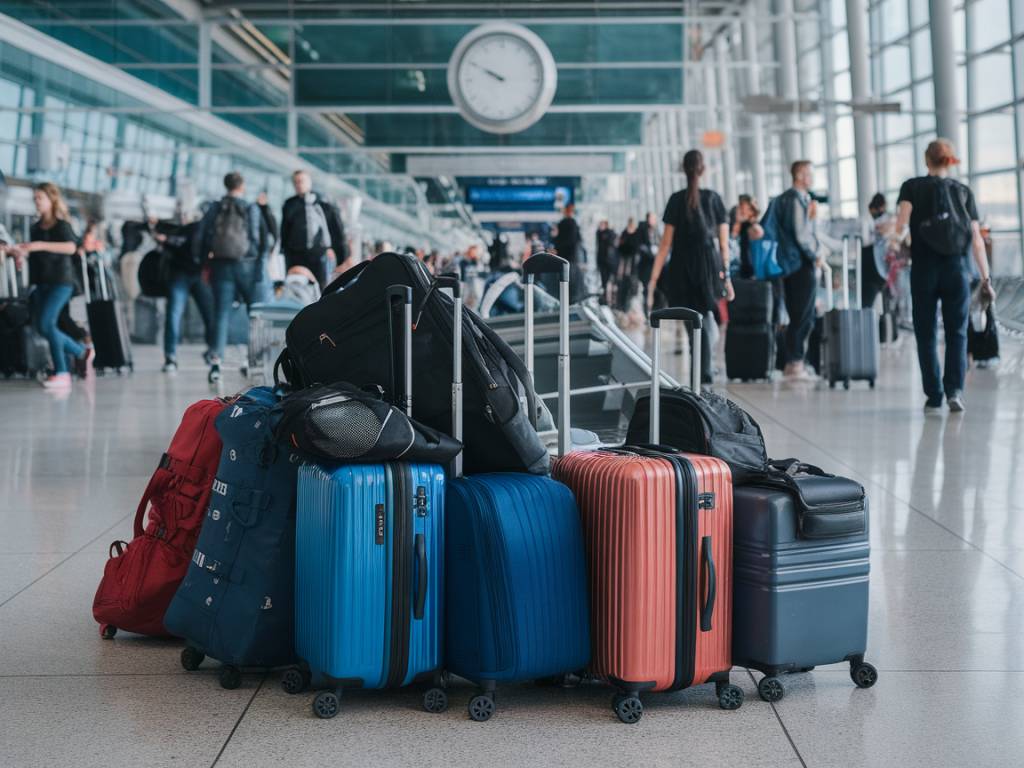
857	261
541	263
403	293
694	322
451	280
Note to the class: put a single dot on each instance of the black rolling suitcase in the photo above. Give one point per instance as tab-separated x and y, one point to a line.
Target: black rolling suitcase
22	350
107	324
753	303
850	336
750	334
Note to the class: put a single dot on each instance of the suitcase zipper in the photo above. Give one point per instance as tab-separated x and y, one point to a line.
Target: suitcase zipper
401	573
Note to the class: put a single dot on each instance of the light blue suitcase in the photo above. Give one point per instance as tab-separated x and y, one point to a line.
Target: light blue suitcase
369	575
516	598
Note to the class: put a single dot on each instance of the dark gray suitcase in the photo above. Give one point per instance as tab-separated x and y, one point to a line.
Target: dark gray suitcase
753	303
850	338
107	324
798	601
749	351
22	350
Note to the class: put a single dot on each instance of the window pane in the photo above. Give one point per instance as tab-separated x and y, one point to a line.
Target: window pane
990	23
921	44
895	68
842	87
919	12
840	52
992	78
1006	254
898	165
993	140
848	179
894	19
844	136
997	200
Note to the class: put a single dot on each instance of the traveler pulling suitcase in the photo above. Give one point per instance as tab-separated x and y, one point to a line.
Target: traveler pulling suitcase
107	324
800	589
658	531
141	576
850	339
516	583
369	571
22	350
236	603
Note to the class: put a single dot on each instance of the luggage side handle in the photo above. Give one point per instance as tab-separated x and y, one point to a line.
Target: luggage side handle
711	582
404	294
421	579
543	263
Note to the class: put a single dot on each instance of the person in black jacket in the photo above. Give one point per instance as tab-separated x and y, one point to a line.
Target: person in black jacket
605	255
567	241
184	278
51	271
311	230
269	235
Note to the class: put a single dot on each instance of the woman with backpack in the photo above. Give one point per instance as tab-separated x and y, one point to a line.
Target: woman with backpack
51	271
943	220
697	232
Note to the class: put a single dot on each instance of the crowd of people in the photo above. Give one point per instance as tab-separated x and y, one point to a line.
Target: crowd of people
221	257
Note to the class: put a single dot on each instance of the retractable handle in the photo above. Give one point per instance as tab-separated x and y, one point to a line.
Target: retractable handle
694	322
451	280
403	293
85	277
846	271
541	263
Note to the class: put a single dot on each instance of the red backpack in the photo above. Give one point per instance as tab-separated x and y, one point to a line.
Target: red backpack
141	577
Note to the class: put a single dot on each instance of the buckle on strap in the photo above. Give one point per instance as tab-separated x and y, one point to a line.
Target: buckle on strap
188	471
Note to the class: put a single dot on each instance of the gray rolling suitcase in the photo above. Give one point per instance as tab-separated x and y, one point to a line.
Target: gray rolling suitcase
850	338
800	584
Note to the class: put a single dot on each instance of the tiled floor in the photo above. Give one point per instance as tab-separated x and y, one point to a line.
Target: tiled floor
947	613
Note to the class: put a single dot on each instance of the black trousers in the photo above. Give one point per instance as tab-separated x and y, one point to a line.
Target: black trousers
872	283
799	289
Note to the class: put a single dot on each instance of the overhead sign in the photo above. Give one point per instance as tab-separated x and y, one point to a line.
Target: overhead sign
519	193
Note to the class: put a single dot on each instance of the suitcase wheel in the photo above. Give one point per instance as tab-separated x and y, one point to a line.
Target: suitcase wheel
191	658
729	696
864	675
846	383
294	681
481	707
435	700
107	631
629	708
771	689
230	677
326	704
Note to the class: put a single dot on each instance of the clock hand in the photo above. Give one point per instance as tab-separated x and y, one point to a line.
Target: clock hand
492	73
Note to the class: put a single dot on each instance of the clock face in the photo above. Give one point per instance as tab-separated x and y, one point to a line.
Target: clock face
502	77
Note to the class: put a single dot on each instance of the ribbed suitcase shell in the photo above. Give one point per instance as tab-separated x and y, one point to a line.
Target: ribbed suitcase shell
516	579
344	589
628	504
798	602
749	351
851	345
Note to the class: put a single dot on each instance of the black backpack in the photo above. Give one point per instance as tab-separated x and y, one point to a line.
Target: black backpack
339	422
230	240
346	336
707	424
948	231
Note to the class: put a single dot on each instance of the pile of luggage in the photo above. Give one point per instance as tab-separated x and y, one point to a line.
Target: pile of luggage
321	529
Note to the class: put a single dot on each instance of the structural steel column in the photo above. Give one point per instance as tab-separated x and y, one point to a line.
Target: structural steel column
788	85
860	84
756	141
947	111
728	123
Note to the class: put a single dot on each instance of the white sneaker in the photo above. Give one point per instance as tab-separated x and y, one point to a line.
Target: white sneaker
58	381
956	403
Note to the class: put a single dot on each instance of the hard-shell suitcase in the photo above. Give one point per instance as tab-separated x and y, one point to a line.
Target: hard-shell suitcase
369	577
22	349
798	601
749	351
850	338
516	585
141	576
658	531
236	603
107	324
753	303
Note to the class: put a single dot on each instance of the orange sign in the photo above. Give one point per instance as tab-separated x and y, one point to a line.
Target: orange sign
713	139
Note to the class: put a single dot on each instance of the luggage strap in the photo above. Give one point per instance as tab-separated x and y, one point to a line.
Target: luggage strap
191	472
227	571
247	506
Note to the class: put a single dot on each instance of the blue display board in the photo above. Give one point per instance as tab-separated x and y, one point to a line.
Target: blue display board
519	193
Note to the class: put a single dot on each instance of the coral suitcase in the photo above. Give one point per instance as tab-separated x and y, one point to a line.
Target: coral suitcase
658	532
516	579
369	576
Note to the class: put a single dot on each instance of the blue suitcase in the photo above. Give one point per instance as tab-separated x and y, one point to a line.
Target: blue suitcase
517	600
236	603
369	575
800	582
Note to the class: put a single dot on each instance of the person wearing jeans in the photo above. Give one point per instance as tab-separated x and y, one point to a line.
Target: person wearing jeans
229	279
180	286
47	302
937	276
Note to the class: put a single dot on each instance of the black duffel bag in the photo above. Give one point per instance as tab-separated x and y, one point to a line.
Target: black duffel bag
828	506
707	424
339	422
344	337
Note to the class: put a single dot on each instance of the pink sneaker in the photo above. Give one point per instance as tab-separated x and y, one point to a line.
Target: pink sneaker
58	381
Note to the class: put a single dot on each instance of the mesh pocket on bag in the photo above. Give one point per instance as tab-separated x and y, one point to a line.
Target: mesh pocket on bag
345	430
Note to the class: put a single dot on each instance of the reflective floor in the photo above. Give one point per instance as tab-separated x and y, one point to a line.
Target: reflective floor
947	607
